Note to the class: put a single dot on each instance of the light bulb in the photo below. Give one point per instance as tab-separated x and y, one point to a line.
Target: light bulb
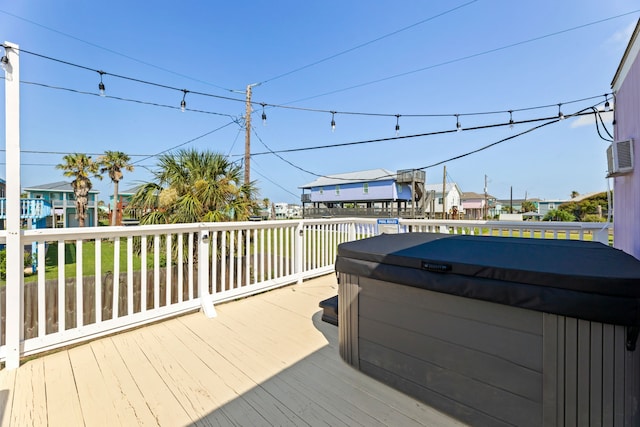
264	116
333	122
183	103
511	119
458	125
101	88
4	62
397	124
560	115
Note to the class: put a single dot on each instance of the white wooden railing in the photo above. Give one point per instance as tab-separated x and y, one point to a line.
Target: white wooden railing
164	270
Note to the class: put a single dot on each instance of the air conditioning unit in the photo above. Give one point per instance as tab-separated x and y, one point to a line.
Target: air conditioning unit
620	158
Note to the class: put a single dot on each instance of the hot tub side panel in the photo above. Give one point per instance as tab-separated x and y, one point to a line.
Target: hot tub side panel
590	378
488	363
480	362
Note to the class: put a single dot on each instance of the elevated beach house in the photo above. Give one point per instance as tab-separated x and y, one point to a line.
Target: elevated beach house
63	203
370	193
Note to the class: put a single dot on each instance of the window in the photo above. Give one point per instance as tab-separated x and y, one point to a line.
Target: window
440	199
337	190
365	188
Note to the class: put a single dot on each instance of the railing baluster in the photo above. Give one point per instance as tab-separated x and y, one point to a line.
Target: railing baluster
98	279
129	275
180	267
232	253
214	263
62	306
143	273
255	255
116	278
79	286
190	266
42	316
156	271
223	262
168	273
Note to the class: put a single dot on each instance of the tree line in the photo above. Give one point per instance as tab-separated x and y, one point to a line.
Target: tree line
187	186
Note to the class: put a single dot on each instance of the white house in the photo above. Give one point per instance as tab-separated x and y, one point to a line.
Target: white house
451	202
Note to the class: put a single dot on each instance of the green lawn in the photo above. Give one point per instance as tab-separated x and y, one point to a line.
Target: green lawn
88	259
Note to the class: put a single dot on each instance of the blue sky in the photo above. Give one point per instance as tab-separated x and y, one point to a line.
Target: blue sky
382	58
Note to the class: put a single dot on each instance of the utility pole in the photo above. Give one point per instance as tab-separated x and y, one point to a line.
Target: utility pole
247	134
511	200
486	206
444	189
247	139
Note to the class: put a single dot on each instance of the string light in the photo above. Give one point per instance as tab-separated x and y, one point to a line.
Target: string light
264	116
183	103
101	84
607	106
4	61
560	115
458	125
289	106
511	119
333	121
397	124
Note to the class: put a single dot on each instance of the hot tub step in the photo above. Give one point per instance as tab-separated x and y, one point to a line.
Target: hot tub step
330	310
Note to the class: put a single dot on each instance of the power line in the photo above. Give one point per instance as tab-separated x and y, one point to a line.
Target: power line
275	183
186	142
133	79
464	58
289	107
549	120
368	43
111	50
441	132
118	98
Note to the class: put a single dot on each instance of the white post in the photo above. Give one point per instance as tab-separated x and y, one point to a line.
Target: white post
15	257
206	302
299	251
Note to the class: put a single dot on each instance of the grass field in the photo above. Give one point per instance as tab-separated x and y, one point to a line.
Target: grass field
88	259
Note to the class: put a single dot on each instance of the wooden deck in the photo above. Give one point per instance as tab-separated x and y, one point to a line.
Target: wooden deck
265	360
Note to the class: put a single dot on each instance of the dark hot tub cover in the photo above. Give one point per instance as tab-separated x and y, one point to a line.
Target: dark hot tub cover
586	280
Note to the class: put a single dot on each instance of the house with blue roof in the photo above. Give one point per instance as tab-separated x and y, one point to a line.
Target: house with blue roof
370	193
61	198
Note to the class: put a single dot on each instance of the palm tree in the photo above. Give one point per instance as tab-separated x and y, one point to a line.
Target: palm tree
114	162
191	186
82	168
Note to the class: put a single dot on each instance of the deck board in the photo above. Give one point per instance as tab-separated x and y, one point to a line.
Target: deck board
265	360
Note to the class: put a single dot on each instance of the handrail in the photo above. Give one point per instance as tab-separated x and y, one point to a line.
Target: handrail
141	274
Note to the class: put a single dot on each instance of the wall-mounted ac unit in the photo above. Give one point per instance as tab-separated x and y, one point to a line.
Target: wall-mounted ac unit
620	158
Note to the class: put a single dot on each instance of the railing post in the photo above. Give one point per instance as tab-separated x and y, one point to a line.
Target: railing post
14	258
206	302
352	231
602	235
299	250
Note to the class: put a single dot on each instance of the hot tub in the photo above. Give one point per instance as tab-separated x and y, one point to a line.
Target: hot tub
496	331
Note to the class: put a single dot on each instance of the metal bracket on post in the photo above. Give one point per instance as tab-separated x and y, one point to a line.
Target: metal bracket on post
206	302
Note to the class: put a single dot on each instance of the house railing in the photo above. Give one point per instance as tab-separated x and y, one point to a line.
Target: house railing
29	208
95	281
